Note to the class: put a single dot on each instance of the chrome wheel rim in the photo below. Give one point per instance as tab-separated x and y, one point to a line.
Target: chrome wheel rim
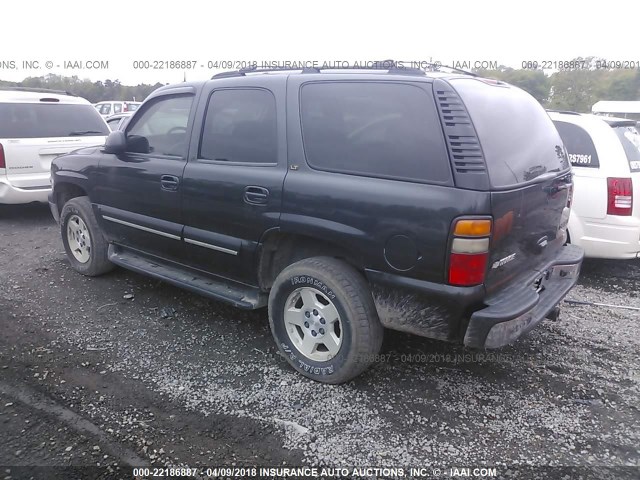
313	324
79	239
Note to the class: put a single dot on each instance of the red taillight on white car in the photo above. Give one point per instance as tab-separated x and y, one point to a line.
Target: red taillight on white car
3	163
469	252
619	196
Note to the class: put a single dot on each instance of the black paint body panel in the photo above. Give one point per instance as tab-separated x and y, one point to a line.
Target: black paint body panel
396	231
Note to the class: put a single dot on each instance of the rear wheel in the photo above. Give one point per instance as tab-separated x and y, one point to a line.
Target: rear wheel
323	319
83	241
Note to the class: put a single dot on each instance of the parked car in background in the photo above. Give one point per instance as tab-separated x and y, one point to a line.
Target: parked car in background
37	125
621	109
346	202
119	120
109	108
605	156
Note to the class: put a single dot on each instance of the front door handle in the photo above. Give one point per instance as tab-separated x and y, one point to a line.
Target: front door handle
256	195
169	182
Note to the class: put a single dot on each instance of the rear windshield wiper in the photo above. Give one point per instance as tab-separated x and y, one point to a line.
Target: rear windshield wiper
85	132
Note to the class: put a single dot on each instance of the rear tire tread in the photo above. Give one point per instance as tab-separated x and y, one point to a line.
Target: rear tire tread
366	330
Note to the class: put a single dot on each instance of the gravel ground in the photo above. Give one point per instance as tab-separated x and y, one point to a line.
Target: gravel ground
123	370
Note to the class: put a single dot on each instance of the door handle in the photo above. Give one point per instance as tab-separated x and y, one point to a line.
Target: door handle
169	182
256	195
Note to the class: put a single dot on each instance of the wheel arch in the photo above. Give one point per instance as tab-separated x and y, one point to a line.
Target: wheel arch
65	191
280	249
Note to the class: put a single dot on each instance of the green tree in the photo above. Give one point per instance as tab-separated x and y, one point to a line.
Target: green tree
535	82
93	91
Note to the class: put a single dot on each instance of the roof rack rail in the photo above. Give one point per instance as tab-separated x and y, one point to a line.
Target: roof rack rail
243	71
38	90
390	65
438	66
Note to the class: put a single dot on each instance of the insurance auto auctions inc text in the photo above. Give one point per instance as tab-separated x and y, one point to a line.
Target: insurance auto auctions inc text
363	472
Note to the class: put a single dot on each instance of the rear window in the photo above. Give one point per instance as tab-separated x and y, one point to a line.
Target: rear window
387	130
517	136
240	126
582	151
36	120
630	139
132	107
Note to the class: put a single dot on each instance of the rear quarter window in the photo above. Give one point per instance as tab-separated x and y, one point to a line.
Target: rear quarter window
582	151
386	130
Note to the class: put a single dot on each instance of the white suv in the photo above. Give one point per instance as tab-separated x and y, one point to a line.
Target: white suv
37	125
605	156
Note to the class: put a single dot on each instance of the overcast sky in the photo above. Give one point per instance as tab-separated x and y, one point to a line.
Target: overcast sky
122	32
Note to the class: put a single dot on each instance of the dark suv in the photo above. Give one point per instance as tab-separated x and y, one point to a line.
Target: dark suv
345	201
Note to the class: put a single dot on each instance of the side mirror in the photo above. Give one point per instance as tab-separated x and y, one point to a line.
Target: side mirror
116	143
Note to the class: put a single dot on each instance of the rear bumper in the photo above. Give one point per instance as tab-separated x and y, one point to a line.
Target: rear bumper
518	309
13	195
619	239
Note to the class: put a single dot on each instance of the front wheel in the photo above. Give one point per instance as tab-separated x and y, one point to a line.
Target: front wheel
83	241
323	319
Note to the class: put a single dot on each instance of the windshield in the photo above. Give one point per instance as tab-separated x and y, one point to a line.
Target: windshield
630	139
38	120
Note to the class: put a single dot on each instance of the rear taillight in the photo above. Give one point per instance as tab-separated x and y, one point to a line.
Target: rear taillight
570	195
619	196
3	163
469	251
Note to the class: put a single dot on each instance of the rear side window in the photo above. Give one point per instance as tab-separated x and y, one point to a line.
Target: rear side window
240	126
387	130
517	136
630	139
46	120
582	151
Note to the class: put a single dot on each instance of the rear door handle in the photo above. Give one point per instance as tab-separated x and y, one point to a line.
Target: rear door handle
256	195
169	182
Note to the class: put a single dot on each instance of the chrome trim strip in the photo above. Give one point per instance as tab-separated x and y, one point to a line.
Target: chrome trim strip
212	247
140	227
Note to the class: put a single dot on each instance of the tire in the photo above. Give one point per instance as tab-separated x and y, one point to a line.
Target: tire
309	290
83	240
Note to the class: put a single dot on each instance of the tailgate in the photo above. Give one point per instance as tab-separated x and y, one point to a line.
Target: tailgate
37	128
529	228
529	176
28	160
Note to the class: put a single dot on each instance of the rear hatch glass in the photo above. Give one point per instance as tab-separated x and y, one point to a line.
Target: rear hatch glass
630	139
517	136
47	120
530	176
